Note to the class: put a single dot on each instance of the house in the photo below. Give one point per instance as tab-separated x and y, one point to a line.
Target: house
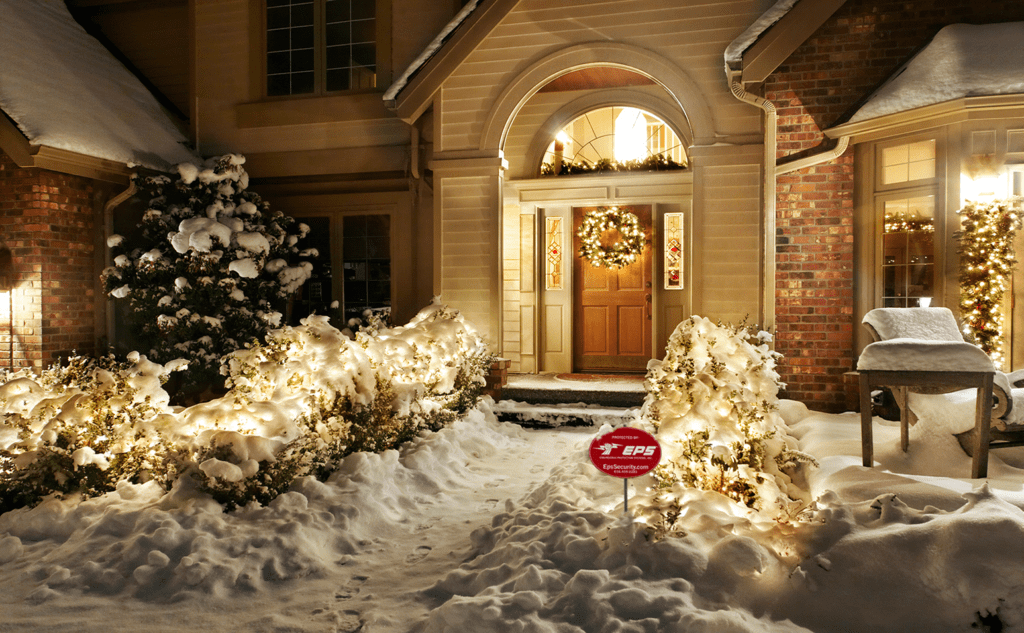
453	148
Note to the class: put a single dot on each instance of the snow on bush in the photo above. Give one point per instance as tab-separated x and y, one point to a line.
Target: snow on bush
297	404
208	269
713	402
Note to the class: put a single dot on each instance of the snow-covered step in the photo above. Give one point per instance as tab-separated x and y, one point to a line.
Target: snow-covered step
607	391
546	416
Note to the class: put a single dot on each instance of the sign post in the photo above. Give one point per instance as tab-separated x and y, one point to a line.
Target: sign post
625	453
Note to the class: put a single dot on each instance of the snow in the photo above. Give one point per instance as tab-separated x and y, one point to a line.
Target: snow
734	52
64	90
963	60
485	526
903	354
392	93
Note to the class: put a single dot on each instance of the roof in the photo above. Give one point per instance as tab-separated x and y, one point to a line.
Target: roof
962	60
430	50
64	90
734	52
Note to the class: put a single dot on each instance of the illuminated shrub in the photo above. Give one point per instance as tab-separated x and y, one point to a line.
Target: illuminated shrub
713	402
296	405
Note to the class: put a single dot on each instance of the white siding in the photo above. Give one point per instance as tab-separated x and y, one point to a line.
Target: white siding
730	244
692	35
469	249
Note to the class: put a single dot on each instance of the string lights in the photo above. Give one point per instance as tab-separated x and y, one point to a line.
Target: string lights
985	247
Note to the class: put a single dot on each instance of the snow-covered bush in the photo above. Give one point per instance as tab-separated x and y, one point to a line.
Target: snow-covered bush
208	268
713	402
81	428
297	403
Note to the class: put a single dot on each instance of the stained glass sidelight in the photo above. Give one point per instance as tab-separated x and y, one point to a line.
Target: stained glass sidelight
553	238
673	251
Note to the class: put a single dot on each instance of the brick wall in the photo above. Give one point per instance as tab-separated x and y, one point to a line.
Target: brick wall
51	222
851	54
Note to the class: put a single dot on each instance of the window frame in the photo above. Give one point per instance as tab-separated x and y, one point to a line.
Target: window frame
258	54
882	193
878	180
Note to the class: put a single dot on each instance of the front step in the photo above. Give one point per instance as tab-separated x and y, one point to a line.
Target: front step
547	401
606	391
539	416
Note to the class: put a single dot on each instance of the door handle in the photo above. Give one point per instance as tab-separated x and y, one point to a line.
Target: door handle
649	302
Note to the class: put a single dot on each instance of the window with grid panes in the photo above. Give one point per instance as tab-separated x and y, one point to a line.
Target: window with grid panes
366	256
319	46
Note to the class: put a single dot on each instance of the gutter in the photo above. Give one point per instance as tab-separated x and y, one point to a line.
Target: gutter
816	159
735	78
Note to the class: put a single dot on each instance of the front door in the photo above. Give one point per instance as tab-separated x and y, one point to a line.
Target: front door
612	308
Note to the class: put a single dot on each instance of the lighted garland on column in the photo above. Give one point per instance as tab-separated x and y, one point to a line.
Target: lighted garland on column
985	246
623	251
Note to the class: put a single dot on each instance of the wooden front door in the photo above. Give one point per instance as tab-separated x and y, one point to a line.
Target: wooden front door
612	308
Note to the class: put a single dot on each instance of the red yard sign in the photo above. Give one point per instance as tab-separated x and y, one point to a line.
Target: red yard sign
625	453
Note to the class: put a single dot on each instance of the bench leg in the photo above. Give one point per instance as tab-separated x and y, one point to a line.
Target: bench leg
983	425
866	441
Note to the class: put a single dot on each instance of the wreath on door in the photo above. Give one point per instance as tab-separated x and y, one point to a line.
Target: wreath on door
611	237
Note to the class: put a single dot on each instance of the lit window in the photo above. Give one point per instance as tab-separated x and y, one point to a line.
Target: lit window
316	46
908	263
614	138
910	162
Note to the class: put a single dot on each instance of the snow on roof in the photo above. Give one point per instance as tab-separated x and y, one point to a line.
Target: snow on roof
64	90
430	50
734	52
963	60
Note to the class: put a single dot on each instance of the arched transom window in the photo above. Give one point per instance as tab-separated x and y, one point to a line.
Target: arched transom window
615	138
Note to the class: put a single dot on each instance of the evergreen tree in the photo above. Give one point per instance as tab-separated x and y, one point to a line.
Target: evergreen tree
209	269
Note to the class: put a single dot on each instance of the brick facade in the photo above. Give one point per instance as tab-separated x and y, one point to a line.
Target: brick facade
52	223
843	62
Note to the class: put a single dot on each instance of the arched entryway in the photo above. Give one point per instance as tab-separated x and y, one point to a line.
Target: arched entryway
607	137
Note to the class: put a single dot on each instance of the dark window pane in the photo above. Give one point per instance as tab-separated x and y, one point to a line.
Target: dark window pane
278	3
355	225
302	83
355	294
337	80
278	63
363	55
278	85
377	247
364	31
338	10
363	9
278	40
338	57
302	37
378	225
379	293
278	18
302	60
380	271
355	248
337	34
302	15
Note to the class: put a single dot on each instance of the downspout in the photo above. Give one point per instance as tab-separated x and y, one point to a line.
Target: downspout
414	151
108	230
735	78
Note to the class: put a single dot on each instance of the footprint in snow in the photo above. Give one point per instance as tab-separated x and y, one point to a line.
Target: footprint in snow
421	552
350	589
